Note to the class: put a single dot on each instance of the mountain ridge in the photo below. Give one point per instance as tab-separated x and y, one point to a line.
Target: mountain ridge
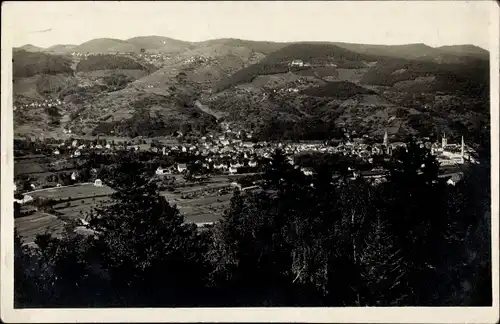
261	86
470	47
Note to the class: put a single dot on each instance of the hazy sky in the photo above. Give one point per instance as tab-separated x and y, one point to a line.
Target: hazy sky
390	22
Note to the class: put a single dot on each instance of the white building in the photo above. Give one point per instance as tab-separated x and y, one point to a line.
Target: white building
297	63
98	183
454	179
26	199
307	171
181	167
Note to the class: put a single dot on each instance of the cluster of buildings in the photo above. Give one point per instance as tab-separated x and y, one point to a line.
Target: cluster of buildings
196	59
40	104
301	63
157	59
452	154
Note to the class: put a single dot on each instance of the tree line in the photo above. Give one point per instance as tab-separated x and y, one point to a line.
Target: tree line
300	241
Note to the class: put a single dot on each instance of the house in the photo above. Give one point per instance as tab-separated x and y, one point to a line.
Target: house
108	146
307	171
26	199
98	146
454	179
74	176
74	143
220	166
181	167
252	164
160	171
297	63
76	154
56	152
233	170
98	183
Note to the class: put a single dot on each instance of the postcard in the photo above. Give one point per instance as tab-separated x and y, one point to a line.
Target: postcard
250	161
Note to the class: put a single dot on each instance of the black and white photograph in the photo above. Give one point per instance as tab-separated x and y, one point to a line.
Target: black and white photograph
218	155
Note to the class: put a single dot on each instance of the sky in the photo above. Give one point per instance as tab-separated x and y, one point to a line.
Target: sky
435	23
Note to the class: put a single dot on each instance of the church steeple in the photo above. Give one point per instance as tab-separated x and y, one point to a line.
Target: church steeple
386	139
462	150
444	141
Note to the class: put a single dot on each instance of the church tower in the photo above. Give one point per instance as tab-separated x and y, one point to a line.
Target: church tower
444	141
386	139
462	150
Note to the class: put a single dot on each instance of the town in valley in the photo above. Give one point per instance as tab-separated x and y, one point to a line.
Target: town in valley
152	171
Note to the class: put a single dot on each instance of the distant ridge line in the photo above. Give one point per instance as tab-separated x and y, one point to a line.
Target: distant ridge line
208	41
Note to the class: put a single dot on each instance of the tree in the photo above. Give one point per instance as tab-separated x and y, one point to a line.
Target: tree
27	292
145	246
415	210
383	270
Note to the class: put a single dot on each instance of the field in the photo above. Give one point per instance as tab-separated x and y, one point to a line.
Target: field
38	223
80	191
79	208
204	209
208	206
205	204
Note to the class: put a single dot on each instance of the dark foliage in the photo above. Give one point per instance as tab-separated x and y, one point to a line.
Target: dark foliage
457	78
108	62
27	64
339	90
318	240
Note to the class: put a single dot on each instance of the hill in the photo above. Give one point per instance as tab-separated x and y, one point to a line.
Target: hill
159	44
107	62
356	87
256	46
106	45
315	54
469	50
200	67
134	114
61	49
253	85
29	48
470	79
27	64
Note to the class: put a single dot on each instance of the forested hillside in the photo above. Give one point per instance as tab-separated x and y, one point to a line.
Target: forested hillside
27	64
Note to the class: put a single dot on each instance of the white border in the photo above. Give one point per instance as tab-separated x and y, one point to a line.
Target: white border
306	315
